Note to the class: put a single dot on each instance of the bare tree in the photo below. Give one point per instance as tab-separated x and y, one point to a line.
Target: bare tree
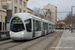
36	10
67	20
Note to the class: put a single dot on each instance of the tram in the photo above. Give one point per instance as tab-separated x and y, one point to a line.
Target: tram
25	26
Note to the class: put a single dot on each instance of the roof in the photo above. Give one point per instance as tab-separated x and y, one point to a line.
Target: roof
30	9
62	21
51	5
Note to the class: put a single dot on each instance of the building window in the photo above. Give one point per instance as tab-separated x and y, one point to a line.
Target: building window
15	1
15	11
20	10
20	2
4	6
24	11
24	4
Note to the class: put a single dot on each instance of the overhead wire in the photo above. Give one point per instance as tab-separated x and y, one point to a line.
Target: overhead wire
38	4
53	2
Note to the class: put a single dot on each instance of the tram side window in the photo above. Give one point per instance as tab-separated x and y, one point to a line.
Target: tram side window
46	26
28	25
43	26
38	26
34	25
49	26
52	26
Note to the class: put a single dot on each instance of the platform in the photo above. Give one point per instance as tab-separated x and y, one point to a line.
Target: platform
67	41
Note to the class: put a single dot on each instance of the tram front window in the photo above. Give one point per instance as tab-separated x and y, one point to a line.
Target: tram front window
16	25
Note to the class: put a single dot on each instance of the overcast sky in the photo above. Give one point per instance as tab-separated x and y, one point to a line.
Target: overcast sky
62	6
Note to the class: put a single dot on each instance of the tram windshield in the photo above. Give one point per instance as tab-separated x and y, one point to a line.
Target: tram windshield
16	25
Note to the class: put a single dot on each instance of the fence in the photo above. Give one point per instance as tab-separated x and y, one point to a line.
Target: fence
4	35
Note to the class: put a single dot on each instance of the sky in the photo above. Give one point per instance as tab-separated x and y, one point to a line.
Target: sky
63	6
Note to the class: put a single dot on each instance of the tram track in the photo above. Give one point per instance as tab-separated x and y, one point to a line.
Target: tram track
39	41
19	44
13	46
58	35
10	44
5	41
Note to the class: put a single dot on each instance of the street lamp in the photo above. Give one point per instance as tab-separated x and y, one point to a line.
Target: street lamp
72	19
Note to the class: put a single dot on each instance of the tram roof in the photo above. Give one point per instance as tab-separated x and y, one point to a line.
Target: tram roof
24	16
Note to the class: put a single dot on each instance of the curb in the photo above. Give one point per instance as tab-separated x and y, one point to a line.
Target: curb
58	45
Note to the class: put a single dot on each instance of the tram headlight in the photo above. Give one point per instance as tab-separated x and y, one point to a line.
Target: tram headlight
22	33
10	33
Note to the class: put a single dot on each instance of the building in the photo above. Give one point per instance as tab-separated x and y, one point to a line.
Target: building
50	11
2	19
9	7
14	6
30	11
40	15
61	24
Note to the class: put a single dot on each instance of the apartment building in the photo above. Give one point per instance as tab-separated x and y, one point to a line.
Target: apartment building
9	8
2	19
14	6
18	5
50	11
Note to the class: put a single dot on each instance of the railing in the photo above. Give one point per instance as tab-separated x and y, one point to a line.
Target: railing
4	35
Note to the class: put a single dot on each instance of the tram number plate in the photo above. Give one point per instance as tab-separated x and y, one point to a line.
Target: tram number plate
3	35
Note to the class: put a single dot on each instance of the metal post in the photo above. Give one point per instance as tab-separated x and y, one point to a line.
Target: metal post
71	20
1	23
69	23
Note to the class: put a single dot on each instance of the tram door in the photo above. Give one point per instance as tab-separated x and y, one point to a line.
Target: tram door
43	28
0	26
34	27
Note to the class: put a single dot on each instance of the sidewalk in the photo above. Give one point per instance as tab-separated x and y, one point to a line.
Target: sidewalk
67	41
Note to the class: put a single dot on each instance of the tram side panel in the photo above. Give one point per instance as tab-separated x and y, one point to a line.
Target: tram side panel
36	28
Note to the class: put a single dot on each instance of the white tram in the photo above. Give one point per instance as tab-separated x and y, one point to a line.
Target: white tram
25	26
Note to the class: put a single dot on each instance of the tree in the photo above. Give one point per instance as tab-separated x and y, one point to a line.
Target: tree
67	20
36	10
40	15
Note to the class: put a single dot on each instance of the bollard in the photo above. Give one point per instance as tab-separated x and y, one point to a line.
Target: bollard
0	35
7	34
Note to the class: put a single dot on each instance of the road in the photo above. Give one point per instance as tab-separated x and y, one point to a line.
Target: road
41	43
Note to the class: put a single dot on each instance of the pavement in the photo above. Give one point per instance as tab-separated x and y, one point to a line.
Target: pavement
67	41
